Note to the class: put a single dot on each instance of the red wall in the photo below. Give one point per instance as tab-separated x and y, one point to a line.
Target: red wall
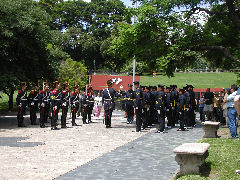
98	82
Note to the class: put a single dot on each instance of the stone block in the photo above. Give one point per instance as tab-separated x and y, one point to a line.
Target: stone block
191	157
210	129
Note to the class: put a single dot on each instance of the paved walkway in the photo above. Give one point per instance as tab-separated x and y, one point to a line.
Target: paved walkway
43	154
149	157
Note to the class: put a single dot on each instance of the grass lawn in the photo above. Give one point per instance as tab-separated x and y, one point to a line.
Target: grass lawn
223	159
4	101
198	80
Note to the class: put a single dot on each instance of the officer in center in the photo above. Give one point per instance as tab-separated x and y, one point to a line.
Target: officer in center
138	106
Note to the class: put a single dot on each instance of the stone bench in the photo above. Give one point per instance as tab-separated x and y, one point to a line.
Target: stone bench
191	157
210	129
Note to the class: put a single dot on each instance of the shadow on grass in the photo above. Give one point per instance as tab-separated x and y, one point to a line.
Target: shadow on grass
205	170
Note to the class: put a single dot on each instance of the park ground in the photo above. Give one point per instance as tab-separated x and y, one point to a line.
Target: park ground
92	151
43	154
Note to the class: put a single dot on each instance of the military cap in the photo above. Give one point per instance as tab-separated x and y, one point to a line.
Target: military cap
136	82
169	88
109	82
23	83
161	85
182	90
189	86
148	87
65	84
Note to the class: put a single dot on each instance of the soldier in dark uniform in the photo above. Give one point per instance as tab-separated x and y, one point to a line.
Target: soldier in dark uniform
74	99
192	106
84	104
33	103
187	108
21	103
180	109
138	104
56	98
65	104
146	108
44	105
90	101
153	111
108	102
169	105
160	106
175	96
129	105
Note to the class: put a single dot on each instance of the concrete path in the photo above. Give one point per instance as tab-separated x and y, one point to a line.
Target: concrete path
149	157
88	151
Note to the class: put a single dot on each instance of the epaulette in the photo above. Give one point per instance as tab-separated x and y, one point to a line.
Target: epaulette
19	91
63	92
41	92
54	91
32	92
73	93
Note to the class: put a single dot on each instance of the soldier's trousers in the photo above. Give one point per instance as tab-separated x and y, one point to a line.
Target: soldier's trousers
146	117
55	111
84	115
108	117
64	116
192	117
20	118
74	113
139	116
153	115
43	115
187	118
181	119
161	120
130	113
33	115
174	116
170	117
89	113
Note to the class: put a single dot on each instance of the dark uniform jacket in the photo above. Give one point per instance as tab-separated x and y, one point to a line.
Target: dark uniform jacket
181	103
146	99
168	101
65	97
33	98
55	98
108	98
74	99
160	100
192	99
44	98
138	103
187	99
22	98
128	97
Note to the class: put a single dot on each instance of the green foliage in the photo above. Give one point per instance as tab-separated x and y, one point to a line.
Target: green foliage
73	72
168	35
87	26
23	39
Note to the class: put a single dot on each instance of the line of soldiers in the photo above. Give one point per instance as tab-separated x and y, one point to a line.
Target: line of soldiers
150	104
49	104
153	104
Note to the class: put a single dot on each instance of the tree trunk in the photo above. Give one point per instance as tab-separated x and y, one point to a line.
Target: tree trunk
10	102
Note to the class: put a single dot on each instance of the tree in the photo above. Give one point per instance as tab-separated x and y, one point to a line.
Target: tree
179	39
87	25
23	45
73	72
